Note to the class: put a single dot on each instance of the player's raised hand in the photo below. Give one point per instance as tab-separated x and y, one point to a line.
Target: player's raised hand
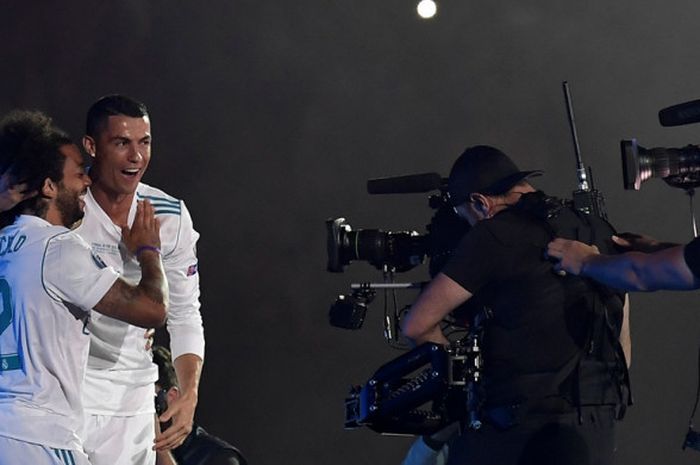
144	234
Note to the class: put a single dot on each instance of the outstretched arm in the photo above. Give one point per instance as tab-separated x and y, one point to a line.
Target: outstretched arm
186	333
633	271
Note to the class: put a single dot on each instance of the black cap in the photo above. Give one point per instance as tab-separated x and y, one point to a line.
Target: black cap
485	170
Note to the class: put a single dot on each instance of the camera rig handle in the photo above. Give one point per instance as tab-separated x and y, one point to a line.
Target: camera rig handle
389	401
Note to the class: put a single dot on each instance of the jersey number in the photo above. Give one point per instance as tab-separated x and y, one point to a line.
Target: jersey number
8	361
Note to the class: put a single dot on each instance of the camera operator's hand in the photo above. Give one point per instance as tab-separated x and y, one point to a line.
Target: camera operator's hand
570	256
632	242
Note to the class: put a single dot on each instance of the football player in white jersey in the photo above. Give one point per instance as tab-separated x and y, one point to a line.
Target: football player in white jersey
118	395
49	282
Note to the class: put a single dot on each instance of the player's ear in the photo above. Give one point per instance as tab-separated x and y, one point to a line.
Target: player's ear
49	189
89	145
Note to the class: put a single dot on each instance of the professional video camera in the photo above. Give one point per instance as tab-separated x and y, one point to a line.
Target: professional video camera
401	250
679	167
391	251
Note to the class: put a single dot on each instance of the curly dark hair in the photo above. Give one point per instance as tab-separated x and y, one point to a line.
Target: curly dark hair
29	153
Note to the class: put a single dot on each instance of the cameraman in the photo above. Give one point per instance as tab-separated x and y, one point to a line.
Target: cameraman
555	378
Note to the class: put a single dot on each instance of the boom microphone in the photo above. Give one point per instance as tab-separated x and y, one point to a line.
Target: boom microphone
410	184
678	115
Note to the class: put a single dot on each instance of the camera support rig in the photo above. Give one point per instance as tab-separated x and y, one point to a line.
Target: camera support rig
395	398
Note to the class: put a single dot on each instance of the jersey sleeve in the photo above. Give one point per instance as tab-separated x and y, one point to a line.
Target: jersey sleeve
476	260
72	273
181	269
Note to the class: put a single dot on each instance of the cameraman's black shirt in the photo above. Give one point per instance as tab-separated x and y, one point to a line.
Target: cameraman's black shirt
201	448
691	252
536	327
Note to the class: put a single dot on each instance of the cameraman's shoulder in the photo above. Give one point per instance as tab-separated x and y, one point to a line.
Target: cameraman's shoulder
510	227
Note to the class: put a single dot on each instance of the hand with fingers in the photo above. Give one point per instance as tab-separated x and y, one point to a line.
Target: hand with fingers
181	412
570	256
144	234
627	242
11	193
149	335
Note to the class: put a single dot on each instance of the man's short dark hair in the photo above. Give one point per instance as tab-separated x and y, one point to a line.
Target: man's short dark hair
112	105
29	153
167	377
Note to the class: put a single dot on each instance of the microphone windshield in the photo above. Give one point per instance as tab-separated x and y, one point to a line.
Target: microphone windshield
678	115
410	184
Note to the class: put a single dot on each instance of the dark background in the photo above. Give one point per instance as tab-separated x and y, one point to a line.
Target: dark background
269	116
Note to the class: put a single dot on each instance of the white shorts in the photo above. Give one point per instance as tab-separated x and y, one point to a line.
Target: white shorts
112	440
13	452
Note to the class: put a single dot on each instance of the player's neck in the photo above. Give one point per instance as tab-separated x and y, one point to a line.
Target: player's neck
51	214
115	205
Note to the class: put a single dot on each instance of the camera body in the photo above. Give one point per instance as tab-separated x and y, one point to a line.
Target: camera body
390	252
398	251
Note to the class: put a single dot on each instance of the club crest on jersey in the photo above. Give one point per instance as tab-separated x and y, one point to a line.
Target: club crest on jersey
98	261
192	270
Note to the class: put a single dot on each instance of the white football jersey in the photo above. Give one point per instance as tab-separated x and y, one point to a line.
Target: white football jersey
49	281
120	372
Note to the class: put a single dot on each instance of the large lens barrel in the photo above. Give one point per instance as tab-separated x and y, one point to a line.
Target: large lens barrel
679	167
400	251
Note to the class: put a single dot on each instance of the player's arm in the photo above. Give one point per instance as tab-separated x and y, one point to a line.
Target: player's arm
189	369
186	333
145	304
422	323
633	271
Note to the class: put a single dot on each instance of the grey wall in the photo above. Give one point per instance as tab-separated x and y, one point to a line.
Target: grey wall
269	117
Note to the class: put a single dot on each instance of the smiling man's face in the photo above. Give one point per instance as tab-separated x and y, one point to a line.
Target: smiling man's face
122	151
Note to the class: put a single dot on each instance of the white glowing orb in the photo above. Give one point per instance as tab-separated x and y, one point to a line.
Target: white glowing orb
426	8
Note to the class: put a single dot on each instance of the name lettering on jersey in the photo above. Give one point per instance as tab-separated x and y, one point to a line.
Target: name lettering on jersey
10	244
110	249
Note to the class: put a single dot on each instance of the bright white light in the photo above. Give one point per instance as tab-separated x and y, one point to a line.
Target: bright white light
426	8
